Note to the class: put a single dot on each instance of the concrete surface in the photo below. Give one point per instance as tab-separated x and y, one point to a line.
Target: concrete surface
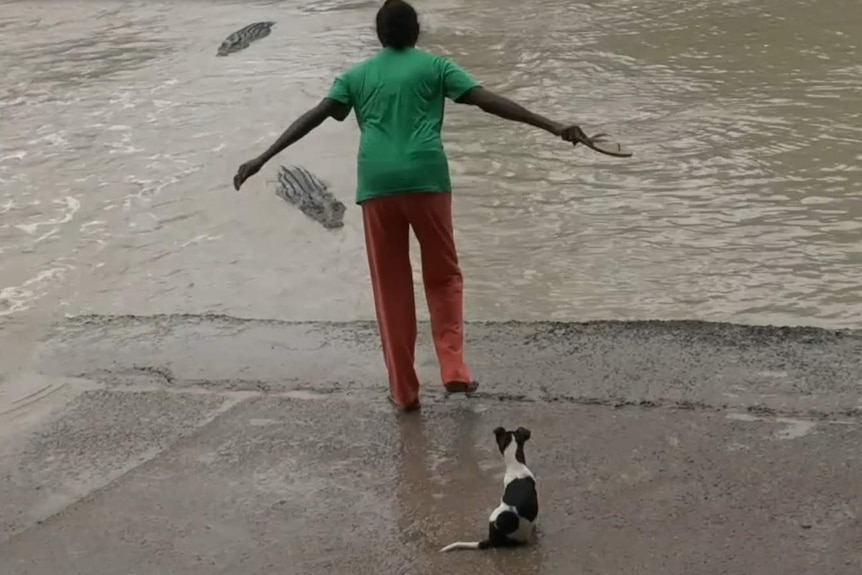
189	444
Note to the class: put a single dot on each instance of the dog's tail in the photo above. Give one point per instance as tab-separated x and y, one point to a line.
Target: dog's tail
465	545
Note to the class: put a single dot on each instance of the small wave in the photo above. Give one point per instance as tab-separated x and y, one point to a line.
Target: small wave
97	232
19	298
337	5
71	205
53	139
148	189
19	155
201	238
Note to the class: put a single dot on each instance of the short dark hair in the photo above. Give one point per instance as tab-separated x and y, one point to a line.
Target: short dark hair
397	25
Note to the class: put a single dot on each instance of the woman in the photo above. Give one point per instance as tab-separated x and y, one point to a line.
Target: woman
398	97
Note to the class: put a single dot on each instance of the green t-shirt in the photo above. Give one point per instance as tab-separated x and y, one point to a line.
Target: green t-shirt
398	97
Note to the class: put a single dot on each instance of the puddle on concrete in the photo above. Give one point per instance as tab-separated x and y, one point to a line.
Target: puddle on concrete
742	417
795	428
262	422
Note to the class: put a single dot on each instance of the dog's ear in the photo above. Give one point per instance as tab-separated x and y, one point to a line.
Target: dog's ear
522	434
498	431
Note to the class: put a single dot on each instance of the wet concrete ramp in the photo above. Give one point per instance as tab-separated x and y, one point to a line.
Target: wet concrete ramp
155	459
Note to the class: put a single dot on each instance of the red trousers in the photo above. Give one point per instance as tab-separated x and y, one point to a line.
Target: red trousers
387	222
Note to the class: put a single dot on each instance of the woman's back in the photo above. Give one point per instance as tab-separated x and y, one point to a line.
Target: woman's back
398	97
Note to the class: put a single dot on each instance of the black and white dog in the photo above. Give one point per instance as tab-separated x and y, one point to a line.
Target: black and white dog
514	520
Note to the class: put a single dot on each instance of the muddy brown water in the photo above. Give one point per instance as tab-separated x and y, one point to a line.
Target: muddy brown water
121	131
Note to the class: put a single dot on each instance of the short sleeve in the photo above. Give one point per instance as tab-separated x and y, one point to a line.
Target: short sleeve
340	91
456	82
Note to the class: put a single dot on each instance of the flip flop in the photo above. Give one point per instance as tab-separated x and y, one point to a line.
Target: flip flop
405	408
461	387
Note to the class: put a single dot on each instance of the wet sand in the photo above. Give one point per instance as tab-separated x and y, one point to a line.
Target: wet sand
211	444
